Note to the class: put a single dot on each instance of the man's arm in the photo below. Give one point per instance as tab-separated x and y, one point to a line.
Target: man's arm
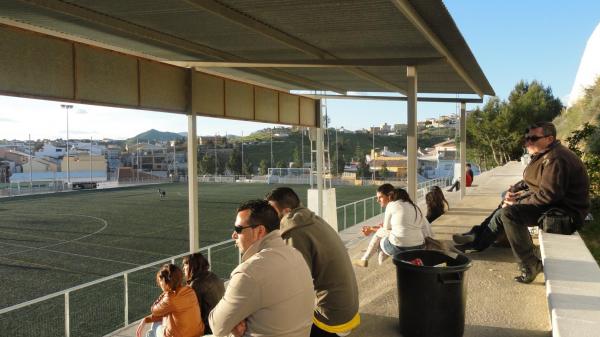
554	181
241	299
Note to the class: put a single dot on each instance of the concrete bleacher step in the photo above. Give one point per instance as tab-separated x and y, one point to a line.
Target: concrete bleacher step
572	285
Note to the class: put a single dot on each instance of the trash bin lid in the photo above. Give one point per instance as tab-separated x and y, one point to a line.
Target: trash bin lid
430	258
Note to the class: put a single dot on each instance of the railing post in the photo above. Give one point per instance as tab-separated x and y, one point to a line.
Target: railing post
67	318
173	261
355	213
364	209
345	217
209	256
126	313
373	206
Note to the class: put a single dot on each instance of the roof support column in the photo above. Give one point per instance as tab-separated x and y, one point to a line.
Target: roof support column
192	162
463	149
411	139
320	156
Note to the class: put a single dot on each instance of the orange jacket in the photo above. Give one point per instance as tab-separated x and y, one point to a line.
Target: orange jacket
180	313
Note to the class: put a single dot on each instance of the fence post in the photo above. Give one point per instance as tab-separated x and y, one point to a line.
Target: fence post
355	213
344	216
364	209
126	313
373	206
67	318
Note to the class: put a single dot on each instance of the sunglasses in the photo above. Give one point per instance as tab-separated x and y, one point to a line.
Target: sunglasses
534	139
241	228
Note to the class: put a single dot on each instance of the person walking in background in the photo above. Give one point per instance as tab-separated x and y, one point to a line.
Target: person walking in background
334	281
209	288
271	292
404	226
176	307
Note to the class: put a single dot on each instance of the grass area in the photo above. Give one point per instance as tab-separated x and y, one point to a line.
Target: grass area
591	232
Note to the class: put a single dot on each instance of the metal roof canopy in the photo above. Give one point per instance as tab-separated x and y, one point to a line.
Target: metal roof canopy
339	46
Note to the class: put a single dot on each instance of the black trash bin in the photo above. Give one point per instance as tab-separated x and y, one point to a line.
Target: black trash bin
431	300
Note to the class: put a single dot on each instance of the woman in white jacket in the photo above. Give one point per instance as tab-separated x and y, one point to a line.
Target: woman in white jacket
404	226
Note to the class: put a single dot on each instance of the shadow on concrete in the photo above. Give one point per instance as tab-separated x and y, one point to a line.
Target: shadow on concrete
483	331
375	325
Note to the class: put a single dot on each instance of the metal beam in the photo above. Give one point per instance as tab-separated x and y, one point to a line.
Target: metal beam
411	14
320	156
463	149
289	40
150	35
392	62
401	99
411	137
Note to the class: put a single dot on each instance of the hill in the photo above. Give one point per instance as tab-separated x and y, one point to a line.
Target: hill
155	135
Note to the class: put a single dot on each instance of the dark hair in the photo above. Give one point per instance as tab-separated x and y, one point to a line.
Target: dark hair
385	189
439	195
469	165
402	195
261	213
548	128
171	275
197	265
285	197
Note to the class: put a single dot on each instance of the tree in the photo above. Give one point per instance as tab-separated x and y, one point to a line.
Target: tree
248	168
263	168
234	163
384	170
206	165
296	158
363	170
280	164
496	131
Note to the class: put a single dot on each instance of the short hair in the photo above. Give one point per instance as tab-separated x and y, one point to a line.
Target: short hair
197	265
548	128
284	197
469	165
261	213
386	189
171	275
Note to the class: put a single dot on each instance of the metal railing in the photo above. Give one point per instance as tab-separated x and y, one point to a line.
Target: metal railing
102	306
112	302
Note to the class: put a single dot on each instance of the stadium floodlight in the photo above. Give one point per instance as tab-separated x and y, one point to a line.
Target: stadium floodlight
67	107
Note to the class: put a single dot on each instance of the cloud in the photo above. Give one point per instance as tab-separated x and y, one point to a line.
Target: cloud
7	120
81	111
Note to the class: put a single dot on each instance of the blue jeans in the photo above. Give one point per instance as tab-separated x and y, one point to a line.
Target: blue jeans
390	249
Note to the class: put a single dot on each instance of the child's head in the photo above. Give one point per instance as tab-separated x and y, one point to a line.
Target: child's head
169	277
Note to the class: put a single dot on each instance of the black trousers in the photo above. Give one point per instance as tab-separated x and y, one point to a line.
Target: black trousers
516	219
315	331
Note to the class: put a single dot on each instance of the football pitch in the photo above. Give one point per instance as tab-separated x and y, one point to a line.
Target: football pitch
55	241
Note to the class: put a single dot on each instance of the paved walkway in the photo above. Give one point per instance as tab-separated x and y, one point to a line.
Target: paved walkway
496	305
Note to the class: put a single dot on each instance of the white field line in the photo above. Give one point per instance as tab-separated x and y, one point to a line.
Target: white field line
63	241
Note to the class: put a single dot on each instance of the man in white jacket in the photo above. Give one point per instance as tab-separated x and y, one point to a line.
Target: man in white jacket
271	292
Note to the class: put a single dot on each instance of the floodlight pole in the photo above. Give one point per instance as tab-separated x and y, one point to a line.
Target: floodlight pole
373	153
91	179
337	158
67	107
242	153
271	147
174	160
30	166
216	159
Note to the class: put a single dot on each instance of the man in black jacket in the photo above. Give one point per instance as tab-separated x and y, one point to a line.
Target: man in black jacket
555	178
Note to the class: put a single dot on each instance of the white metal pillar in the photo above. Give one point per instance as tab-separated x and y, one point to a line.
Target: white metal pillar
192	162
411	138
463	149
320	156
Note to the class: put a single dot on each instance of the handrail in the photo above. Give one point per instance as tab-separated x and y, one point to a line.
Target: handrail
106	278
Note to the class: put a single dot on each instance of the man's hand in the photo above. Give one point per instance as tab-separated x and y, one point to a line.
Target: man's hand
240	329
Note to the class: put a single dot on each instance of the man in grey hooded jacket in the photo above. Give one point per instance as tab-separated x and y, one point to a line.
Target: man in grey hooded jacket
336	312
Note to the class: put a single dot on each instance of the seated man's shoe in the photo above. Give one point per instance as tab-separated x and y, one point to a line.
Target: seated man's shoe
463	238
360	262
464	248
529	272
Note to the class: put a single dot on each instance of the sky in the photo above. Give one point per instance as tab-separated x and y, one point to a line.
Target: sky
511	39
